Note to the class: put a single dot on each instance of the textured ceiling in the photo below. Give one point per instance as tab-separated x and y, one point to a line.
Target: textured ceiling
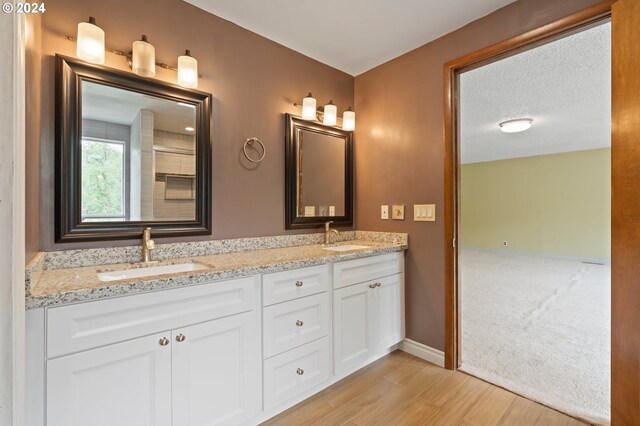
354	35
564	86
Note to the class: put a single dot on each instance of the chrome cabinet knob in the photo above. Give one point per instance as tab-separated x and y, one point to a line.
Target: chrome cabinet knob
299	283
372	285
378	285
299	323
180	337
164	341
300	371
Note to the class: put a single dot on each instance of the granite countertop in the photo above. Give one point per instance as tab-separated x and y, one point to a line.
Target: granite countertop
46	286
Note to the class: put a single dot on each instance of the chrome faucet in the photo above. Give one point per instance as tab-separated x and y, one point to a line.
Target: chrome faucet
328	231
147	245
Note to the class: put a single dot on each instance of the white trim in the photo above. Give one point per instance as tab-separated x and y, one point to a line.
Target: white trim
12	220
425	352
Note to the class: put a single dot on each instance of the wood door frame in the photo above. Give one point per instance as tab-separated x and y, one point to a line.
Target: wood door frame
562	27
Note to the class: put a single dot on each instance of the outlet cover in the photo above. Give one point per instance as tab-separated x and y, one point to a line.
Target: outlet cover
397	212
384	212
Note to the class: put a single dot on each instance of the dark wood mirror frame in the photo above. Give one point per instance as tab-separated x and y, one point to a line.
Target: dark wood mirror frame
70	73
292	220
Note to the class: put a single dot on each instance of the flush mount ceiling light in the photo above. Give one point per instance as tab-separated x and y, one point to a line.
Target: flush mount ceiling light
517	125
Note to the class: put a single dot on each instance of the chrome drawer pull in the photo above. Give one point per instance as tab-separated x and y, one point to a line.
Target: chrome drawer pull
299	283
378	285
299	323
300	371
180	337
372	286
164	341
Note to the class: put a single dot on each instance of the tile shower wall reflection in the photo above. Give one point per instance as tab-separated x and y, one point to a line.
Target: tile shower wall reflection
138	157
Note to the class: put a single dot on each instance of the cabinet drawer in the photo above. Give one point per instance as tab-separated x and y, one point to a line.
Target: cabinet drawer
366	269
295	372
294	323
289	285
83	326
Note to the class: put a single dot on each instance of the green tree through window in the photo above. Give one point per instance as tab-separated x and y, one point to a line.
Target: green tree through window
102	179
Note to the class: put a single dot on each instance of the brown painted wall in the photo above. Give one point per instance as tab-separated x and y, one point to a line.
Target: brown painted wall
33	67
254	81
400	151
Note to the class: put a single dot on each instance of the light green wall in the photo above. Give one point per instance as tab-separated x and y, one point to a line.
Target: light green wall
555	204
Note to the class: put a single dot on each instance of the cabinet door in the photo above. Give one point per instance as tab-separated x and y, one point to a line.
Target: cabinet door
353	330
388	313
127	383
217	371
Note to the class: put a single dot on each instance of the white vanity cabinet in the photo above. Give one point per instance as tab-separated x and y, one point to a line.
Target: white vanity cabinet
126	383
368	303
296	327
229	352
195	373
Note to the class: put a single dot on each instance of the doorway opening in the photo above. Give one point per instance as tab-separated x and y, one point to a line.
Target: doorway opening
535	223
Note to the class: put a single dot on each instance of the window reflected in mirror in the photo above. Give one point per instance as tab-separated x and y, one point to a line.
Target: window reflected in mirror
138	156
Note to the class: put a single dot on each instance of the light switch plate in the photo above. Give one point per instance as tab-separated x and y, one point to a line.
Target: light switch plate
424	212
397	212
384	212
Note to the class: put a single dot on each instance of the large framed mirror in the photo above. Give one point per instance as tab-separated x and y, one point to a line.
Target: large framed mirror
131	153
318	174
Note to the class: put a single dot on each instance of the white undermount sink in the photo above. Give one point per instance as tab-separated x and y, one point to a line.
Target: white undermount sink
345	247
150	271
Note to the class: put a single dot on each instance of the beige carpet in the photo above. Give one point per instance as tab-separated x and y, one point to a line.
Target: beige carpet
540	327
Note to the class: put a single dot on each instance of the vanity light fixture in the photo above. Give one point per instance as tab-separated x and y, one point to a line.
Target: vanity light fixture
349	119
90	46
189	129
327	115
517	125
309	107
330	114
143	60
187	70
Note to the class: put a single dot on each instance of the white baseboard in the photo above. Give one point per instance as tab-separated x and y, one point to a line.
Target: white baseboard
595	260
425	352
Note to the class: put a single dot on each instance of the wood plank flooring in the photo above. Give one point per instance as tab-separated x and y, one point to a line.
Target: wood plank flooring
401	389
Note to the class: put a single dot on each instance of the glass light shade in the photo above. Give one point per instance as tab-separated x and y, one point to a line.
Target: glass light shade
517	125
187	71
90	42
348	120
144	58
309	107
330	114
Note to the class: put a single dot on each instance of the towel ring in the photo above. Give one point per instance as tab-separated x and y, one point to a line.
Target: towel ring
250	142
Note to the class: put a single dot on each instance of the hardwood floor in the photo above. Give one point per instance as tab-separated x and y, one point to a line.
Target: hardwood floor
401	389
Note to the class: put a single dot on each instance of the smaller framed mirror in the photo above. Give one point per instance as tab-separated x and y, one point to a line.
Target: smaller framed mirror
131	153
318	174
